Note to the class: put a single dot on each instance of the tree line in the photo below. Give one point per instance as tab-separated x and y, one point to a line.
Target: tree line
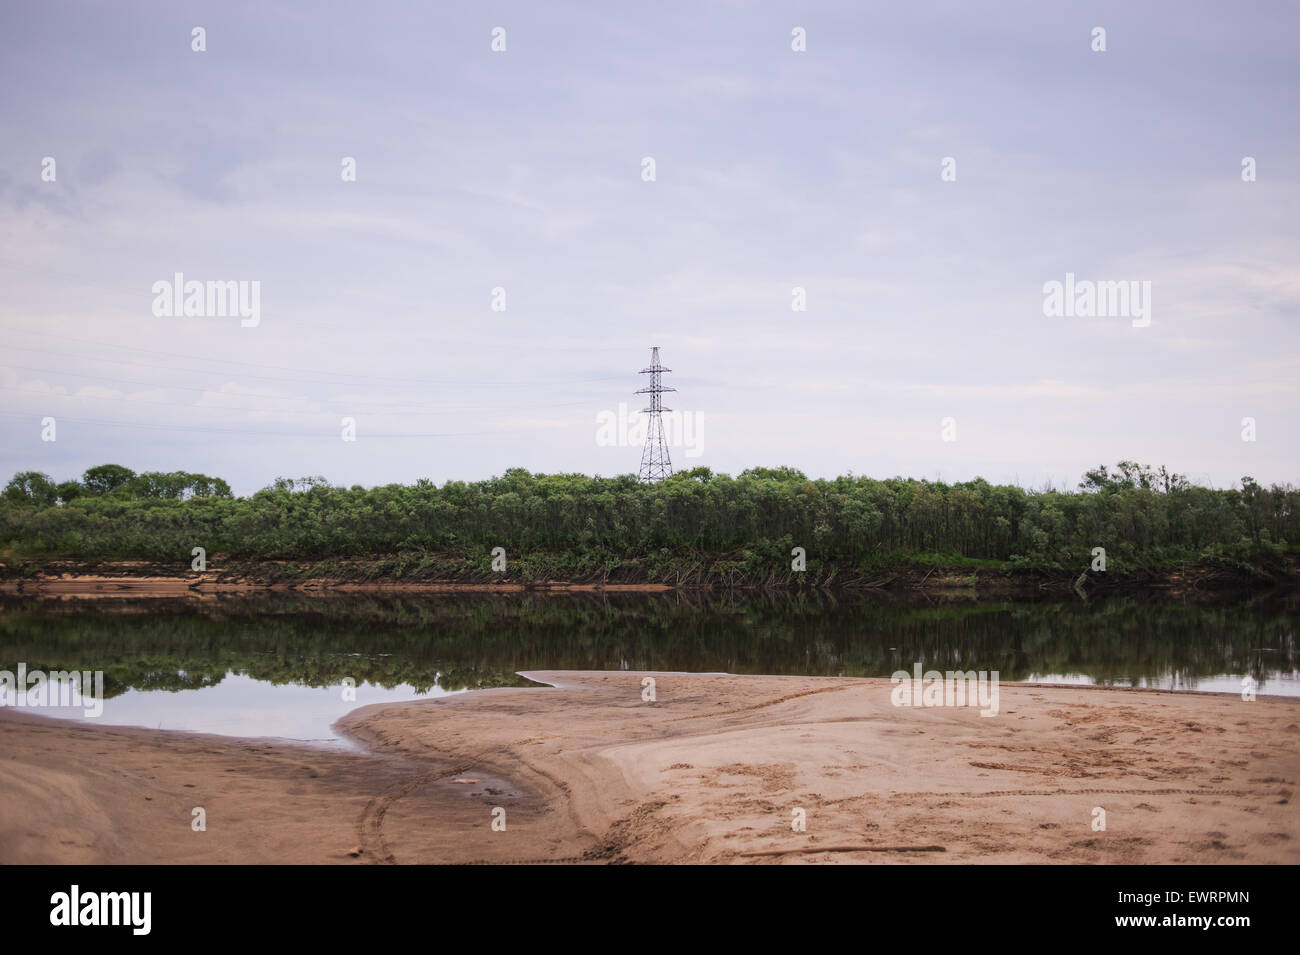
34	487
1140	515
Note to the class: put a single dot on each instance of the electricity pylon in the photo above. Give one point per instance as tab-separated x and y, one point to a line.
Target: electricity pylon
655	465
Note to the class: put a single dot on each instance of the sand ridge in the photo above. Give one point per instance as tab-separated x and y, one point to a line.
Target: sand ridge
712	771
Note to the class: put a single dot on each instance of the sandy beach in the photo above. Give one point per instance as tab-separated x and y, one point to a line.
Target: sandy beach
713	771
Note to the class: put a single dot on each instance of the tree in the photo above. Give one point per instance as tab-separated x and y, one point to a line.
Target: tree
106	478
1097	479
176	485
69	491
694	474
774	474
289	484
31	487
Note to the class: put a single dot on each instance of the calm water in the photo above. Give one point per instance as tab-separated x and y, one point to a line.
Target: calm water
277	666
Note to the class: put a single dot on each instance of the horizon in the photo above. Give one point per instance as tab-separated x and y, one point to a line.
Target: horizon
319	479
489	283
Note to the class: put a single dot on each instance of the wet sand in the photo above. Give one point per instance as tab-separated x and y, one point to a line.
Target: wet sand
712	771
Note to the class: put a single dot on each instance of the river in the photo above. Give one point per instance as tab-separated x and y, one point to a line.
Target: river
289	666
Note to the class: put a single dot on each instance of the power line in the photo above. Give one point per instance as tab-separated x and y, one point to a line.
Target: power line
225	394
276	434
365	326
264	398
460	382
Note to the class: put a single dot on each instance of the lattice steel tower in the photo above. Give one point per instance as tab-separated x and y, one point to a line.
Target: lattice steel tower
655	465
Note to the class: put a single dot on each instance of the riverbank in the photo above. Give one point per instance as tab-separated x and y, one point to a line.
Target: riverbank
711	771
981	580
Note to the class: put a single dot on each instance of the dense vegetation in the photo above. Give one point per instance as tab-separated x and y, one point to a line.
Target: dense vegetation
710	526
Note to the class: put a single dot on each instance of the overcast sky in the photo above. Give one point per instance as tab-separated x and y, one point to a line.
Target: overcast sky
774	169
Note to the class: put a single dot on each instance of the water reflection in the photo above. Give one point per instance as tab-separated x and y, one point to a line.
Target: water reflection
165	656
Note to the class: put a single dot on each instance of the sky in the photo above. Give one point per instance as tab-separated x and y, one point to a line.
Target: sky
483	293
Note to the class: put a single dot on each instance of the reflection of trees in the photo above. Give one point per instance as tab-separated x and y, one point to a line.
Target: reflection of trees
468	642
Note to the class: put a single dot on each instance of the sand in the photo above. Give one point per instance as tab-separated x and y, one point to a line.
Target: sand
712	771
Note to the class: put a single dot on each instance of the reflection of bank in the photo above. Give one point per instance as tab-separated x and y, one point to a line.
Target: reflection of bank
457	641
58	689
